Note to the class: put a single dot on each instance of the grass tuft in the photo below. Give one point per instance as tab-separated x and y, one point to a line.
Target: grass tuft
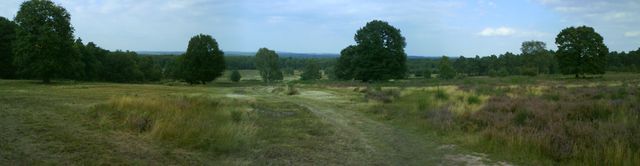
197	123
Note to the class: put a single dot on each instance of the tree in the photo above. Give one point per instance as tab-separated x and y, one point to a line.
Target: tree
122	67
203	62
91	64
7	38
581	51
536	57
426	73
311	71
150	70
378	55
235	76
344	68
267	64
446	69
44	44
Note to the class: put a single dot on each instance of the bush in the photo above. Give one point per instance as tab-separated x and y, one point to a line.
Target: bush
529	71
235	76
503	72
473	99
441	95
493	73
291	90
426	74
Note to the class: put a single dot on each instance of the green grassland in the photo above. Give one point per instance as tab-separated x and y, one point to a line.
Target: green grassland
544	120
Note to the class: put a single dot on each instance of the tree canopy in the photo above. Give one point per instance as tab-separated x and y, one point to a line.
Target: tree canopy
235	76
378	55
311	71
203	61
44	47
537	59
7	38
445	69
267	64
581	51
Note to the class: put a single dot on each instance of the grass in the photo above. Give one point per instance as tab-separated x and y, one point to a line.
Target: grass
542	120
186	122
554	122
128	124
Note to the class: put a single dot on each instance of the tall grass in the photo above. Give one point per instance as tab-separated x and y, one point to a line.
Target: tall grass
189	122
597	125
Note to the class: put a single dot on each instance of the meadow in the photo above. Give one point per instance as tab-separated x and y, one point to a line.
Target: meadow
516	120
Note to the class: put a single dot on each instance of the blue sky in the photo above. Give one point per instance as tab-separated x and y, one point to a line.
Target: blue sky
431	28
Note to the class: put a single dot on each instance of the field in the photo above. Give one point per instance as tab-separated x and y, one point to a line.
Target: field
544	120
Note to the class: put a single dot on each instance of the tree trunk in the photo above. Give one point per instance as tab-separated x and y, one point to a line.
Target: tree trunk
46	80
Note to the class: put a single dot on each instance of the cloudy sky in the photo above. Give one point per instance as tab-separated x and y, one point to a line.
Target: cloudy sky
431	28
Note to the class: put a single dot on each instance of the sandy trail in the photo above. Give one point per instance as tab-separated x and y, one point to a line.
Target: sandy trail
381	143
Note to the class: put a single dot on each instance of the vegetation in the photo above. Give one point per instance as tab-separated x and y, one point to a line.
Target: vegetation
203	61
47	26
267	64
540	124
311	71
581	51
378	55
445	70
524	113
235	76
7	37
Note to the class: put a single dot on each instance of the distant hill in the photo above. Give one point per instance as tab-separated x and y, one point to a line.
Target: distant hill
282	54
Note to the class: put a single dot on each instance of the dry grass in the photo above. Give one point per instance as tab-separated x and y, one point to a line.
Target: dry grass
586	125
187	122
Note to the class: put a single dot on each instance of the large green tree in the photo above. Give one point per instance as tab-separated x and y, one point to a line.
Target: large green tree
536	57
344	68
44	47
7	38
581	51
378	55
203	61
267	64
445	69
311	71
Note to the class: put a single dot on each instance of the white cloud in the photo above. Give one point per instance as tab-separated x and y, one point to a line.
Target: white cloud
501	31
632	34
512	32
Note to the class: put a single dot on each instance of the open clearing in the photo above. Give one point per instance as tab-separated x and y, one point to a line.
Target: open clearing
43	124
325	123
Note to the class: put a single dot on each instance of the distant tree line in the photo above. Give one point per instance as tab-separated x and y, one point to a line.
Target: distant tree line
39	44
580	51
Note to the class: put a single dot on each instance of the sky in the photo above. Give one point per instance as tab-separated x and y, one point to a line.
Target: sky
431	27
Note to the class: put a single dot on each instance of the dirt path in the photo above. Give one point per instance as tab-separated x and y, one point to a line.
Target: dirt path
382	143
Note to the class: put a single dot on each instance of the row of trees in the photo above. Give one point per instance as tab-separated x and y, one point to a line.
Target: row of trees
581	51
39	43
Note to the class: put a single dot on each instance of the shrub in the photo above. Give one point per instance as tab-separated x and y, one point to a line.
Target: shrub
441	95
529	71
492	73
291	90
503	72
235	76
473	99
